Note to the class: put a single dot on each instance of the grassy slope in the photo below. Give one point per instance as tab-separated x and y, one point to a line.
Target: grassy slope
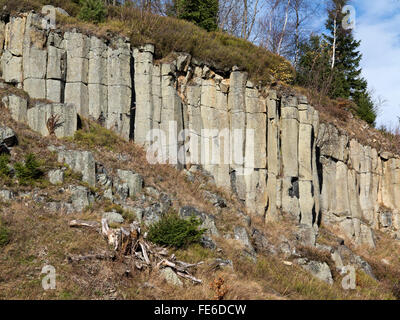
38	237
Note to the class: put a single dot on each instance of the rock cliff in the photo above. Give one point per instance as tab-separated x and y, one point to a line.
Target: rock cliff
292	163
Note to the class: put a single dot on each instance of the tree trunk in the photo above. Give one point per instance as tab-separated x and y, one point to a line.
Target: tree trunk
334	42
284	28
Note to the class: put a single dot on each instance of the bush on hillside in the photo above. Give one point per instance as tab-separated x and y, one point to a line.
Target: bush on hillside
28	171
4	234
174	231
92	11
5	170
94	135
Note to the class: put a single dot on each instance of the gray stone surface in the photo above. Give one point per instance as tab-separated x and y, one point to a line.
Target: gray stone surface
311	170
152	214
208	220
39	115
81	197
80	161
8	136
113	217
6	195
171	277
18	107
133	181
56	176
241	235
318	269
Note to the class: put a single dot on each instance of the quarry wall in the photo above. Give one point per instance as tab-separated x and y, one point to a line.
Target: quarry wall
284	161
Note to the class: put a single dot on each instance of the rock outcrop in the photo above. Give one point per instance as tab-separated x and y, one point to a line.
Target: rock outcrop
280	159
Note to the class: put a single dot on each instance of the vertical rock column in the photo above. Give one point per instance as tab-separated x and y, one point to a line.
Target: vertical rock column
98	79
273	154
222	177
2	38
316	168
306	187
290	155
56	68
76	91
195	122
216	137
11	60
120	84
143	58
237	109
256	151
35	58
171	112
366	186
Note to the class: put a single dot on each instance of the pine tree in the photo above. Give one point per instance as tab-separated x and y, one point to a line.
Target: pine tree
313	69
92	11
331	65
203	13
347	81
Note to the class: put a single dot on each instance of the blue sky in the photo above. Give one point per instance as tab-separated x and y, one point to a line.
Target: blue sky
378	28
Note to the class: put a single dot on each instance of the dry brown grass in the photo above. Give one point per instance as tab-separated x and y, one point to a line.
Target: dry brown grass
39	238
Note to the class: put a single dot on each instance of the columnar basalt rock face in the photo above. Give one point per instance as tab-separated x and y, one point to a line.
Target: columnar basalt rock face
66	125
37	116
80	161
267	147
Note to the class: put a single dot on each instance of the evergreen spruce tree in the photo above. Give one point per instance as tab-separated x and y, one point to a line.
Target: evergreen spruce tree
331	65
203	13
92	11
313	69
347	81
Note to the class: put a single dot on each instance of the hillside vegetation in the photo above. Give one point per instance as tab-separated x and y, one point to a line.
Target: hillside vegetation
32	236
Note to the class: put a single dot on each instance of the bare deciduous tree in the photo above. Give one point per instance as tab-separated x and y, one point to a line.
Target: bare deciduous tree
284	24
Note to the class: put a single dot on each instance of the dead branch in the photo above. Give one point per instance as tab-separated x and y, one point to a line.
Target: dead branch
99	256
188	276
134	247
53	123
82	223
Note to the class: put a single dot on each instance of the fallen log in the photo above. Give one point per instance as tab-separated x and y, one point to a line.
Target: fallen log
145	256
82	223
188	276
113	235
98	256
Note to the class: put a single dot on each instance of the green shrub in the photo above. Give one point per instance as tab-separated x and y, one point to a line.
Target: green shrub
28	171
5	171
95	135
4	234
174	231
92	11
